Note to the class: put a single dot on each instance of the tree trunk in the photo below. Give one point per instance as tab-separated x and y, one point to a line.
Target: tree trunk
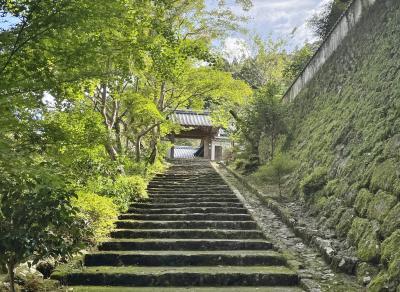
118	138
11	275
272	145
111	151
137	148
280	187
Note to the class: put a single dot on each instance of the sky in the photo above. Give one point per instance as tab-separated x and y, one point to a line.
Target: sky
275	19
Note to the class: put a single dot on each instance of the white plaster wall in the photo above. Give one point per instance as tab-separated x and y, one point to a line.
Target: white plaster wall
350	18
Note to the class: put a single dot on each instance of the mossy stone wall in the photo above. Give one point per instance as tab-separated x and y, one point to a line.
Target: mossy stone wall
347	122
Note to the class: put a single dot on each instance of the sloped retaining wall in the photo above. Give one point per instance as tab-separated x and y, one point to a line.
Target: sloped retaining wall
345	24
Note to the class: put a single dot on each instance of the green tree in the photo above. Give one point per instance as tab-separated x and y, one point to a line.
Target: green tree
267	64
275	171
37	219
323	22
265	115
297	61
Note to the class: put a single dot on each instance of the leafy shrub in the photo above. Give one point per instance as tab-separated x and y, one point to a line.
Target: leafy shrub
98	213
128	189
239	164
37	222
275	171
314	182
123	190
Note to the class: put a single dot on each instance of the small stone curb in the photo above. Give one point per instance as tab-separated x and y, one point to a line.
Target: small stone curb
339	263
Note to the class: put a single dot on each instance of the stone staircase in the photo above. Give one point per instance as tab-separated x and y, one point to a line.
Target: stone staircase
192	232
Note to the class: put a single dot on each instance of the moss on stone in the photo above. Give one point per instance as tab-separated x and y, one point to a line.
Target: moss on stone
336	187
345	221
387	177
334	219
357	229
392	221
362	202
364	235
380	205
332	204
392	148
314	182
365	270
379	283
321	202
394	272
391	247
368	248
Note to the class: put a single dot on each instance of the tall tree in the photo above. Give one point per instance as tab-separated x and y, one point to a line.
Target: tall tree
323	21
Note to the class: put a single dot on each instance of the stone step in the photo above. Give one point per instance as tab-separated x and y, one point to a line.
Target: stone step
191	174
202	199
189	210
173	187
189	181
184	244
193	191
179	276
194	176
187	217
183	184
177	196
184	258
131	224
187	233
183	289
188	204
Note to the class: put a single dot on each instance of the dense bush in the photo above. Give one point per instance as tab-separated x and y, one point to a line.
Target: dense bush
98	213
128	189
122	190
37	220
275	170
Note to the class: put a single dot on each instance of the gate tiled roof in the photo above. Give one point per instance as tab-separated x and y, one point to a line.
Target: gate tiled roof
191	118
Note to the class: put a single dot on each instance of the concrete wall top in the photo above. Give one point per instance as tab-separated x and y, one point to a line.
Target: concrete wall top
342	28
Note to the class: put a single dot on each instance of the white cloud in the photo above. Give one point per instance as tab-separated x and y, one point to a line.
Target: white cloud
235	48
279	18
49	100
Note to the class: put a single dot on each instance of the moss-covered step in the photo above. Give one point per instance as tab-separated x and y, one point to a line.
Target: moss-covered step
187	182
194	195
188	204
210	198
184	244
188	178
189	174
179	276
189	188
184	184
201	183
179	217
130	224
185	258
181	289
187	233
192	189
189	210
